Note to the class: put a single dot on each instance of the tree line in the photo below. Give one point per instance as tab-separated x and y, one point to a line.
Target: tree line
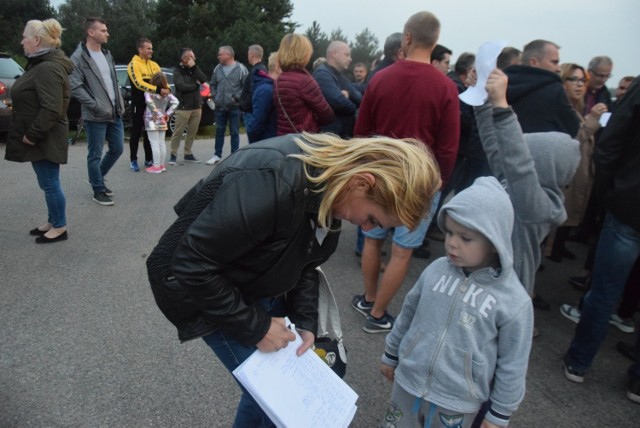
203	25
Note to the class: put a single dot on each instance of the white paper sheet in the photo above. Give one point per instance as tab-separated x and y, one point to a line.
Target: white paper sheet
297	391
486	60
604	118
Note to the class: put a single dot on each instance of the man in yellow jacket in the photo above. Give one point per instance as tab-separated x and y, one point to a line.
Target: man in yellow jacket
140	70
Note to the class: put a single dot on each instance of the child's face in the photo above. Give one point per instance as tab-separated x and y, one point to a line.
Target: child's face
467	248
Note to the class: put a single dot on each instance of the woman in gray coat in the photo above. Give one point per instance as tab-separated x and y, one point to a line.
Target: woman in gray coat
39	124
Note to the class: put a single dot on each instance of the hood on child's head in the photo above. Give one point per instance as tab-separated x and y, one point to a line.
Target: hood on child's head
484	207
555	157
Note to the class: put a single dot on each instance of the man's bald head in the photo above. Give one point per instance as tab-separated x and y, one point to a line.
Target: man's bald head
339	55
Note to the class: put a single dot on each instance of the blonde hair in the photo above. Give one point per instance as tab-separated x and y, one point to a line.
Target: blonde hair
294	52
272	63
49	31
406	173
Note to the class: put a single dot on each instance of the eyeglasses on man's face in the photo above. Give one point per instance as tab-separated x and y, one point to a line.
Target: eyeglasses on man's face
600	75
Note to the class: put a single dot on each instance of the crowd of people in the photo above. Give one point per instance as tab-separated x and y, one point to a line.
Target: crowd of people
392	150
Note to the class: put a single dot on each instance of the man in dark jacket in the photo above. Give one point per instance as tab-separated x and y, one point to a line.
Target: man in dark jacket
187	78
264	121
617	186
95	86
600	68
392	53
536	94
254	58
339	92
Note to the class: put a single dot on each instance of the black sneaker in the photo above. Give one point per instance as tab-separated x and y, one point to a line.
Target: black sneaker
361	305
108	191
384	324
102	198
172	160
633	391
191	159
572	374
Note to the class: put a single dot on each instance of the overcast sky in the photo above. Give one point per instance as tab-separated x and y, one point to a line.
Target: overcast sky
583	28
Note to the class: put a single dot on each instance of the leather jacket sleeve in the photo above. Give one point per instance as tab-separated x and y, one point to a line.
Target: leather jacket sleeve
235	223
302	301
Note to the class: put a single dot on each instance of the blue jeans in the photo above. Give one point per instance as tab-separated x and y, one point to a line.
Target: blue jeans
233	118
98	166
48	174
618	249
232	353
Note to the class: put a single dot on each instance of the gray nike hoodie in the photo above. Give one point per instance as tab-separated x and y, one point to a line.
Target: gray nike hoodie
460	340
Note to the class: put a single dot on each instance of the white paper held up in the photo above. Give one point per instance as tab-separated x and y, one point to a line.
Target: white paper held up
604	118
486	60
297	391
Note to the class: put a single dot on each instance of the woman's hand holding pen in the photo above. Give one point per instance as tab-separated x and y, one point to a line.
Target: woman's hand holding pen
277	337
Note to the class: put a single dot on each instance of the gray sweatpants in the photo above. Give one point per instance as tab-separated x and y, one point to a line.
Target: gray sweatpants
408	411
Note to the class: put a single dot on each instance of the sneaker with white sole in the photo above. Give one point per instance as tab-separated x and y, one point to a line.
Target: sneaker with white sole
625	325
214	160
571	373
154	169
384	324
102	198
361	305
633	390
570	312
172	160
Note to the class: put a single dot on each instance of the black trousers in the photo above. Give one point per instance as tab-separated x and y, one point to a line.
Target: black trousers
137	130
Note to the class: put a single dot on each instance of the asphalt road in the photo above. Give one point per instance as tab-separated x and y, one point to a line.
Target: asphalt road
82	343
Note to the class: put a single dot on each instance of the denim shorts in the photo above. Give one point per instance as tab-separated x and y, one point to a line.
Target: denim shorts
402	236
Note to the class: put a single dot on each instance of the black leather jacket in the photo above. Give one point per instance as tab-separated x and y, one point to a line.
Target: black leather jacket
246	232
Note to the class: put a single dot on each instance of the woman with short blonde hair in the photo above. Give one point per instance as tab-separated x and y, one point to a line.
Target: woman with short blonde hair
243	252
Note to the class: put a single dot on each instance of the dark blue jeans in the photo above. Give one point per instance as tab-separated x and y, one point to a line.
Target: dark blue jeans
232	353
48	174
618	249
97	133
222	118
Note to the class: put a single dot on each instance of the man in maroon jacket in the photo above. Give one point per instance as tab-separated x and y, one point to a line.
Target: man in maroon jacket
409	99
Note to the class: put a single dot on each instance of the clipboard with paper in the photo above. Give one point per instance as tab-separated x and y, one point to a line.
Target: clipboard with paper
297	391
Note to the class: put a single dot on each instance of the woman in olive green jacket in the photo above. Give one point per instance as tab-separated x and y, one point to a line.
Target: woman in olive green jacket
39	123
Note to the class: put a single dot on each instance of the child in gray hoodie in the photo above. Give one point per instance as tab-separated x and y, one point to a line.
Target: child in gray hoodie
463	335
534	168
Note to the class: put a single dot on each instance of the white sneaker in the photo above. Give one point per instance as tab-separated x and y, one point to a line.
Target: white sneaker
624	325
214	160
570	312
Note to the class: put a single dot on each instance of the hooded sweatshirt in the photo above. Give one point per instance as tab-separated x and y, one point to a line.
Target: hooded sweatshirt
460	340
539	99
534	168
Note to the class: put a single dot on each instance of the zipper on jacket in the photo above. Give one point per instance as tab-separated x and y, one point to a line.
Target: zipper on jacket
462	289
